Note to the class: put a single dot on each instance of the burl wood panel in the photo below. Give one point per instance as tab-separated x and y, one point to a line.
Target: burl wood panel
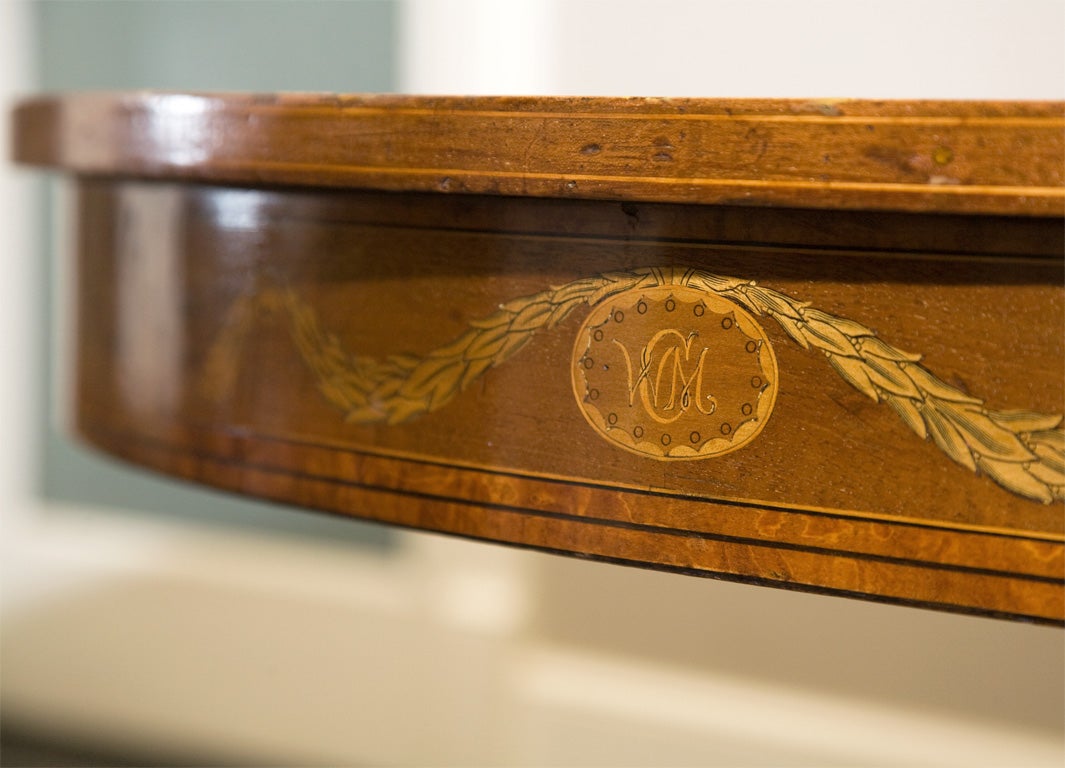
814	346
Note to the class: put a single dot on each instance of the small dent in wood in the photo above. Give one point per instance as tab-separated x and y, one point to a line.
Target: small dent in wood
664	148
591	149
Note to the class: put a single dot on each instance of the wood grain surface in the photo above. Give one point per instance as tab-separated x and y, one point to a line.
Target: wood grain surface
363	344
917	156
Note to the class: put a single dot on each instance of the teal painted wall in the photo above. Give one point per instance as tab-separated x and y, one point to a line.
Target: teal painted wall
267	45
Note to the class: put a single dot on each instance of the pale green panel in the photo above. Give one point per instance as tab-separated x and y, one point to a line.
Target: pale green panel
218	45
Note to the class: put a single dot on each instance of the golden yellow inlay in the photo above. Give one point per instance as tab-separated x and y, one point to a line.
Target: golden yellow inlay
674	373
1021	450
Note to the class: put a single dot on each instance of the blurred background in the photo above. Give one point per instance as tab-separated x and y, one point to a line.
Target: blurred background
144	622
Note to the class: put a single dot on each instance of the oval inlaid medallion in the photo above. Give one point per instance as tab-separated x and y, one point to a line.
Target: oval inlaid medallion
674	373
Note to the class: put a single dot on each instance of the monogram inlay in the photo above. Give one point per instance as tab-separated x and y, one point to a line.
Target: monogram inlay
674	373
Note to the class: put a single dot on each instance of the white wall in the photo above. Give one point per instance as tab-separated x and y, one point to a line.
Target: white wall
877	49
156	634
18	390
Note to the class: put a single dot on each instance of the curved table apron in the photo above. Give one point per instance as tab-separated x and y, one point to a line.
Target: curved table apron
813	346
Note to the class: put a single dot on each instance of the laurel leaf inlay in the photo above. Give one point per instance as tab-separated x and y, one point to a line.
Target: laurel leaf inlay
1022	451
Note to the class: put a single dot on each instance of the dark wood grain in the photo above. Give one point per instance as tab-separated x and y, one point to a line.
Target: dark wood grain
229	332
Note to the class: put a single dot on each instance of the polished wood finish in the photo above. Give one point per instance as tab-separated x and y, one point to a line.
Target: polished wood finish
917	156
411	310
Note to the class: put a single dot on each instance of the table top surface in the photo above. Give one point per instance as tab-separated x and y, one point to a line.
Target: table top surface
989	158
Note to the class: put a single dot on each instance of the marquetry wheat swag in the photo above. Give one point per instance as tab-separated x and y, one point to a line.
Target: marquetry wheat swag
1020	450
